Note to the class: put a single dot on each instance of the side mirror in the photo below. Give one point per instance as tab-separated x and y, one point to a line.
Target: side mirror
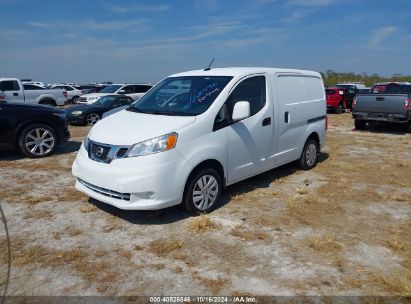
122	92
241	110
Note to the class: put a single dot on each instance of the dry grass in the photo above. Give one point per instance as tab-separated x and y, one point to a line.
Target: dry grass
163	247
101	273
200	224
395	243
138	247
250	235
38	215
89	208
214	285
74	231
112	223
324	244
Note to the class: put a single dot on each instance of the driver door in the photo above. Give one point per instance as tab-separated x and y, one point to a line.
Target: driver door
249	140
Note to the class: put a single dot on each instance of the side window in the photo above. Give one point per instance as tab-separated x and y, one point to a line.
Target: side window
9	85
128	89
141	88
252	90
30	87
16	85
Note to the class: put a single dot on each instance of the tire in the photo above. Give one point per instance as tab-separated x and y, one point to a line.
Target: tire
405	127
360	124
92	118
37	141
339	109
197	200
48	102
75	99
309	156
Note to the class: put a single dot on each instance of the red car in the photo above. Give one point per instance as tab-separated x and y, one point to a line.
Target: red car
336	99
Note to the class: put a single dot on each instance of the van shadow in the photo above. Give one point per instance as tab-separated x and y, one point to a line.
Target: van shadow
263	180
65	148
176	213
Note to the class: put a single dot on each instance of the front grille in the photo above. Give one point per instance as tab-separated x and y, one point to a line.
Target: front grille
83	99
121	152
105	153
99	152
106	192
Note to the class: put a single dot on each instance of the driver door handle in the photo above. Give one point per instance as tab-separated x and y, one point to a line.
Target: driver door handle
266	121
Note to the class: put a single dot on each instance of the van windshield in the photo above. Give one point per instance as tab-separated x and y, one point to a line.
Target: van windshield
182	96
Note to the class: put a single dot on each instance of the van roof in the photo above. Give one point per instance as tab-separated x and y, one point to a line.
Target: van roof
242	71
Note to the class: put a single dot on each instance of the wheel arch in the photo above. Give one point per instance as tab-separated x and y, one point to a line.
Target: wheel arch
21	126
208	163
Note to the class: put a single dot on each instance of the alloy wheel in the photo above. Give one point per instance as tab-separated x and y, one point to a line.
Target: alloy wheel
93	118
39	141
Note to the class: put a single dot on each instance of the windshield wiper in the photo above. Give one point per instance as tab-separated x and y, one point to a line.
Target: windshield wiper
162	113
134	109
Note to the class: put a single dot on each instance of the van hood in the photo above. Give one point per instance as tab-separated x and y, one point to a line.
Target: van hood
127	128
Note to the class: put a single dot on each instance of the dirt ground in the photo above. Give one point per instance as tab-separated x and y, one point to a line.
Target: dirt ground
342	228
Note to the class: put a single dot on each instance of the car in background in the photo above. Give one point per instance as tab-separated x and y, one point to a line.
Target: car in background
364	91
13	90
35	130
352	89
73	93
37	83
336	99
84	114
391	106
135	91
90	88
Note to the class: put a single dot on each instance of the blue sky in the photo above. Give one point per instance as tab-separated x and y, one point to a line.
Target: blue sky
144	41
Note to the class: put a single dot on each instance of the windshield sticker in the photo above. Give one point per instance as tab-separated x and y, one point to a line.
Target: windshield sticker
203	95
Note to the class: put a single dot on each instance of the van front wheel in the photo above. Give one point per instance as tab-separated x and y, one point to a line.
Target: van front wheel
309	157
203	191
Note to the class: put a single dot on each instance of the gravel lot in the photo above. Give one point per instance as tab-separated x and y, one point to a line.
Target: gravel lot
341	229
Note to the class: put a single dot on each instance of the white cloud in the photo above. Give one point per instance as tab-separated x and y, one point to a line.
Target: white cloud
380	34
138	8
89	24
312	2
298	15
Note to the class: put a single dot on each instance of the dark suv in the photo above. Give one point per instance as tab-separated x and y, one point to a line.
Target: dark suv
34	129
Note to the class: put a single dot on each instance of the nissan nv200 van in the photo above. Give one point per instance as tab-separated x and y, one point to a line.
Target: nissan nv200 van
197	132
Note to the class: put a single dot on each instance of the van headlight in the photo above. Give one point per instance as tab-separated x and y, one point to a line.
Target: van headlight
155	145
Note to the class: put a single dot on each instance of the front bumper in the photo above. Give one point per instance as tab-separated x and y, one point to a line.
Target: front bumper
138	183
386	117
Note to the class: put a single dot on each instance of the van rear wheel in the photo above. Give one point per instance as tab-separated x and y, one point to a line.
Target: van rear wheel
203	191
309	157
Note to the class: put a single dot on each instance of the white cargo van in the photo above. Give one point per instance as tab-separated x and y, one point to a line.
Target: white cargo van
217	127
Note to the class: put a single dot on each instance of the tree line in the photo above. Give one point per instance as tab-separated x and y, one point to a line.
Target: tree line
331	78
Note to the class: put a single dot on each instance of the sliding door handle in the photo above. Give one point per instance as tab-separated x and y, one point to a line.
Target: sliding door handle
286	117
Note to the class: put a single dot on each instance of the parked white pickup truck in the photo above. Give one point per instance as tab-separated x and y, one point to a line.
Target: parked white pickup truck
13	90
